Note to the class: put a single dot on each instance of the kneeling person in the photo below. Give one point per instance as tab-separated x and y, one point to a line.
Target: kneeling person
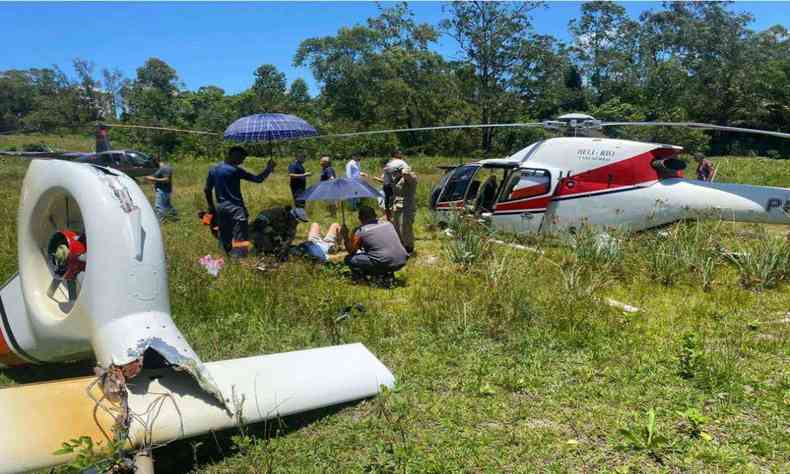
374	247
274	229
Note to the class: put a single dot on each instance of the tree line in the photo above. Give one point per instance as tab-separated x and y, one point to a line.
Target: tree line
693	61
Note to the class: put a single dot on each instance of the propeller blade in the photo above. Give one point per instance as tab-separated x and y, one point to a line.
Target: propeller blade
72	287
425	129
702	126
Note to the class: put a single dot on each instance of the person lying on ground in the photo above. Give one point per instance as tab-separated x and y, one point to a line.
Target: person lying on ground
317	247
273	230
374	247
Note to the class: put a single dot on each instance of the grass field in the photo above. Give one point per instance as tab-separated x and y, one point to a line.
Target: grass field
511	363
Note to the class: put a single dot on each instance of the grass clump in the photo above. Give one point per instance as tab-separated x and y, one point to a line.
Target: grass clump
762	263
468	243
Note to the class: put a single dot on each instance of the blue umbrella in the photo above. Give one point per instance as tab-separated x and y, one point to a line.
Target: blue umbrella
268	128
341	189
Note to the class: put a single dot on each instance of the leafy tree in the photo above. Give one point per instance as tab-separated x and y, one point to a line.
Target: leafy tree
492	36
269	89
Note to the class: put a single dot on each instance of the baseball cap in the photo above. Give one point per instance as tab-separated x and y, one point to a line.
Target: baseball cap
299	213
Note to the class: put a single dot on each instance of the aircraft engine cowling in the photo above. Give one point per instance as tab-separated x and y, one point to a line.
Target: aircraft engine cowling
670	165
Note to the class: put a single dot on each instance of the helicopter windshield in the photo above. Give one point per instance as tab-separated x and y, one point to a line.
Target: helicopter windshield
455	189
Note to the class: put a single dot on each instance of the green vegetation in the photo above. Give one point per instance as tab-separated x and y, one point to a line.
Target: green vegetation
506	362
685	61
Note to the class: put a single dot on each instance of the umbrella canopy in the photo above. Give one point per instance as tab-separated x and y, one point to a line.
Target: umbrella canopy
268	128
340	189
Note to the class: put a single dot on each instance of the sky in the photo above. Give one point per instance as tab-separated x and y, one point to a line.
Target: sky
223	43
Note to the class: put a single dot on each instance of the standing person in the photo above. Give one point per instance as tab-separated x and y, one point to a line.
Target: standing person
403	204
224	181
354	171
163	187
705	169
298	176
328	174
374	247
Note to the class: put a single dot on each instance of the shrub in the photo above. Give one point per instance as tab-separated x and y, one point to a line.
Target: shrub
762	263
468	243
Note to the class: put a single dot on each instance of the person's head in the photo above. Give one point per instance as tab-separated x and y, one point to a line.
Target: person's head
301	157
236	155
396	155
366	214
356	157
699	157
324	161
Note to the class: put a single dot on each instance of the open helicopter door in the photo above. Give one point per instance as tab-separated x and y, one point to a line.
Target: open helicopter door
456	184
524	199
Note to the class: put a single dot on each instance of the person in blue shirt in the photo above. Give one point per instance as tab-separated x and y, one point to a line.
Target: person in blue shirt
298	177
224	182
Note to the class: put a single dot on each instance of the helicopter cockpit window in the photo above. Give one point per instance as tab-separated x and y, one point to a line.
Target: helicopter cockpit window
456	186
528	183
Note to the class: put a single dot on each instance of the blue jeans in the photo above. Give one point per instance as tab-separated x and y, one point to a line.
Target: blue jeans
162	204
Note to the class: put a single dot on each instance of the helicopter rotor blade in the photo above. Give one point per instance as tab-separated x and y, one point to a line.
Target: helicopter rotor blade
427	129
164	129
696	125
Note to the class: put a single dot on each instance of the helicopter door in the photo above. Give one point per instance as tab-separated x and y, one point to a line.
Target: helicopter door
455	189
523	201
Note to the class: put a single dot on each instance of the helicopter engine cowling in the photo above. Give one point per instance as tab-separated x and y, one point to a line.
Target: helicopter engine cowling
94	229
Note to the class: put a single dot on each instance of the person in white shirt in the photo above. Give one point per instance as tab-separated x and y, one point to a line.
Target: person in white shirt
353	171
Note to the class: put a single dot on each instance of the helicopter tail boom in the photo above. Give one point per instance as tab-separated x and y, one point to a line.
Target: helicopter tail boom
728	201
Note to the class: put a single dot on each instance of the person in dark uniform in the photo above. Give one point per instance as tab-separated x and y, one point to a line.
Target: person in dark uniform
328	174
298	177
224	181
274	229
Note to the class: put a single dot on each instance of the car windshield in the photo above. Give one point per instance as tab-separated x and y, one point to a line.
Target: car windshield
139	159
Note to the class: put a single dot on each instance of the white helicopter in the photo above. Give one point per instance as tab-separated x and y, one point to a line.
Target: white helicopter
560	184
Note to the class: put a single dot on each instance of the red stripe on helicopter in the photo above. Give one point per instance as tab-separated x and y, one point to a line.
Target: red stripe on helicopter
8	357
536	204
447	205
624	173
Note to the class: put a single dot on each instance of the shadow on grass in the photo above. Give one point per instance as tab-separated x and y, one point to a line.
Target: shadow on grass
49	372
190	454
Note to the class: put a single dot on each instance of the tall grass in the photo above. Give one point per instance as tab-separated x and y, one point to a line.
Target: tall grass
762	263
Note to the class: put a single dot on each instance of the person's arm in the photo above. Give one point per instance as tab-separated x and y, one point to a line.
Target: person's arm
352	242
208	191
256	178
379	179
154	179
300	175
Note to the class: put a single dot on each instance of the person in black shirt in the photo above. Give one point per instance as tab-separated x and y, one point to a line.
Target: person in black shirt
328	174
298	176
